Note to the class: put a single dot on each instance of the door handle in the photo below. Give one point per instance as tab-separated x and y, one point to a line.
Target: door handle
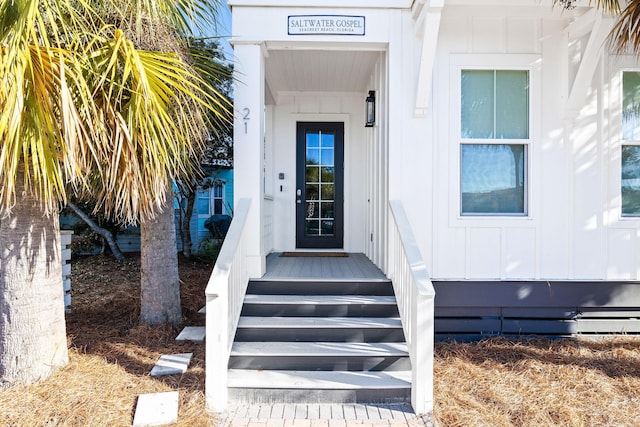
299	194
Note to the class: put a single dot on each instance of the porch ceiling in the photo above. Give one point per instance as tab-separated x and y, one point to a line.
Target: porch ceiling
319	70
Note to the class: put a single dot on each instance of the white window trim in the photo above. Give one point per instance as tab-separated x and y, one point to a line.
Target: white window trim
212	198
528	62
613	216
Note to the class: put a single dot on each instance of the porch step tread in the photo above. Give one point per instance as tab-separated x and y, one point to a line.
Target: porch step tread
319	349
319	322
319	380
306	280
320	299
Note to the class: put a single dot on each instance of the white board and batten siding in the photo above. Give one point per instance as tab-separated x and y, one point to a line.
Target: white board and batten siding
573	229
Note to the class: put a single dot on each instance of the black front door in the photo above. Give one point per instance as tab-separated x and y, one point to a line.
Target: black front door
319	190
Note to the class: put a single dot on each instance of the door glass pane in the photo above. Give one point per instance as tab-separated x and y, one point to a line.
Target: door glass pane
313	173
312	227
512	104
313	140
327	157
327	175
493	179
327	192
631	106
313	156
630	180
313	210
326	211
312	192
320	181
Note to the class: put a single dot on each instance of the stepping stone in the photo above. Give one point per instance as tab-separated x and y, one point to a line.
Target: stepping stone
156	409
203	310
171	364
192	333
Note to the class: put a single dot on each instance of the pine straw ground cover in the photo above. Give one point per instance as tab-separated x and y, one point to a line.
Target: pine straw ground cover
495	382
111	355
564	382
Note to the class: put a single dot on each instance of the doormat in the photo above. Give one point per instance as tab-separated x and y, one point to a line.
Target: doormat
314	254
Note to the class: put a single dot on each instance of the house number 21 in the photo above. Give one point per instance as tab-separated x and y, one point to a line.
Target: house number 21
245	118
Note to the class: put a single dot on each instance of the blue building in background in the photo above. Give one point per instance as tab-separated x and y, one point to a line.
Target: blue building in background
213	198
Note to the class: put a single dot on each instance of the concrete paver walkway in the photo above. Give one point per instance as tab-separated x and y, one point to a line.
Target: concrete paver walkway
321	415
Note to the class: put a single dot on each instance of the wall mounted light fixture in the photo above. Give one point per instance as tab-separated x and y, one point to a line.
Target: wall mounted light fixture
371	109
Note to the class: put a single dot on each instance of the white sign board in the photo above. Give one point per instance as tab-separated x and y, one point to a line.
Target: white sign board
326	24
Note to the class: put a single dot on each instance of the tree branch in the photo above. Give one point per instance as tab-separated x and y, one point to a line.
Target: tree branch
106	234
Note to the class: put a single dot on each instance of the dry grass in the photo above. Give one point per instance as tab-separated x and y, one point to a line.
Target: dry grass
497	382
111	355
500	382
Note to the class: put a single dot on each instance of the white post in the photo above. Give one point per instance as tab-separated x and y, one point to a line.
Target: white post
395	111
248	145
422	339
216	357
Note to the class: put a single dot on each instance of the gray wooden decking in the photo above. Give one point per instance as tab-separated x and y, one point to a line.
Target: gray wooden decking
355	266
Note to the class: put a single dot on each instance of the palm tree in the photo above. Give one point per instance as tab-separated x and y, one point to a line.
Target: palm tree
85	106
160	147
44	110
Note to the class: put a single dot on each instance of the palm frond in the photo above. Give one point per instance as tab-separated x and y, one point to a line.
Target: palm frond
42	110
155	108
625	35
183	16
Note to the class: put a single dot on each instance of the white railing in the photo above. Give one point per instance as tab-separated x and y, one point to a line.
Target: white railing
225	293
415	297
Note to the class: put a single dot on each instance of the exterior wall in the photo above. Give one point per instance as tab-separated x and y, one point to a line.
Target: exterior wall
574	230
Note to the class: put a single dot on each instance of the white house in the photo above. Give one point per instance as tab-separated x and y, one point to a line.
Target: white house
502	167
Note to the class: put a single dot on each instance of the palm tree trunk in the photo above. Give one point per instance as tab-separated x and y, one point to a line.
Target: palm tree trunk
160	283
33	341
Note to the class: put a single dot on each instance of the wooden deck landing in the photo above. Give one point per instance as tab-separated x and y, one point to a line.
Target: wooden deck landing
356	266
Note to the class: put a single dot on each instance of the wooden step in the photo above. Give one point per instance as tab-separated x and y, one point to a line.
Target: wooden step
320	305
320	356
279	386
319	341
320	299
321	349
326	380
320	322
311	329
316	287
